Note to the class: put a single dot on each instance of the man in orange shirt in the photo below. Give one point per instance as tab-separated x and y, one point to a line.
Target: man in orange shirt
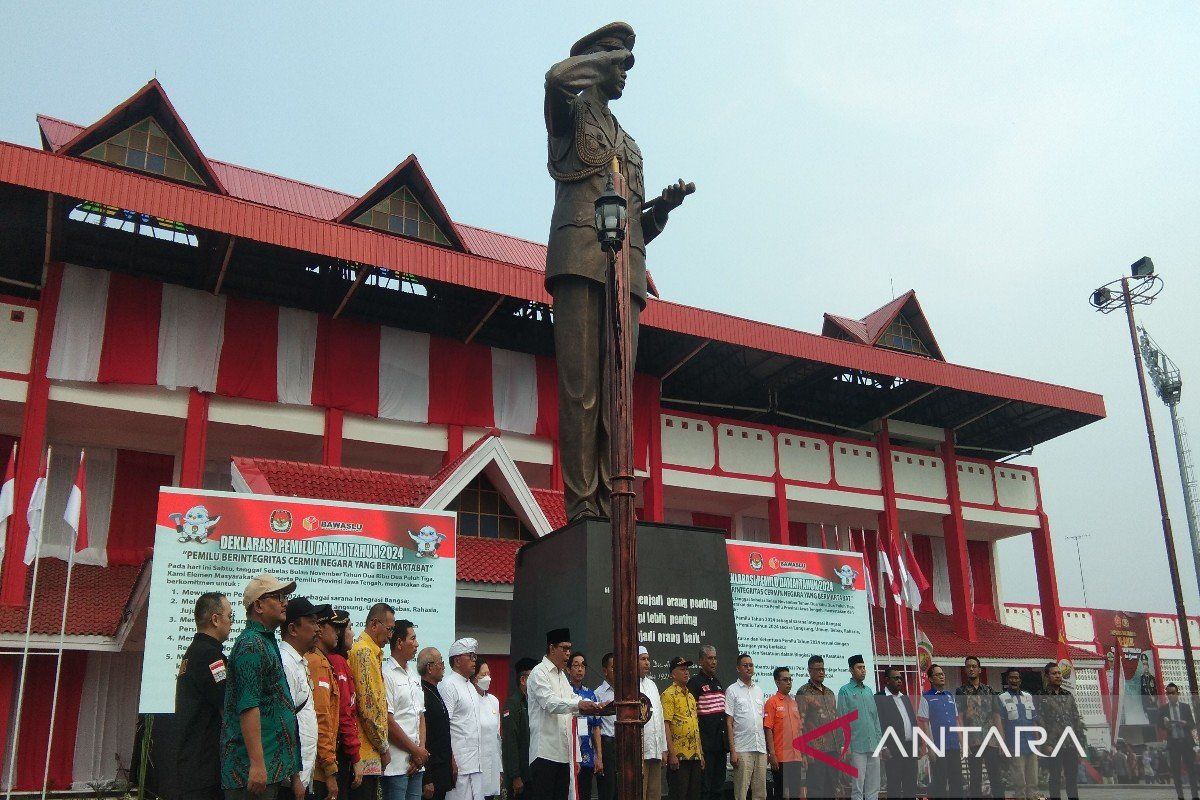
326	702
781	718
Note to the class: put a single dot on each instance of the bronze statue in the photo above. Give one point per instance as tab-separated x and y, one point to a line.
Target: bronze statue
584	137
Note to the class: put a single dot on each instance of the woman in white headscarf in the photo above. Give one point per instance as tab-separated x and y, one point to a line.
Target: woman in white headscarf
489	723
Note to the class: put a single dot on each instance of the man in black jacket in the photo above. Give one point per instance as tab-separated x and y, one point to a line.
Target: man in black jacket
441	773
514	733
200	700
896	715
1177	719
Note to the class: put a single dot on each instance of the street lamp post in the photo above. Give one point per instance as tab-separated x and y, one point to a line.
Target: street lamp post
610	229
1143	292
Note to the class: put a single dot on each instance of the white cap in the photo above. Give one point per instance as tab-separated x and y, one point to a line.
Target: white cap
463	646
642	651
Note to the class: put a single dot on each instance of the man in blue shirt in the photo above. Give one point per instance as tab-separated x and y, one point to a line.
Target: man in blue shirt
1019	712
937	715
587	728
865	732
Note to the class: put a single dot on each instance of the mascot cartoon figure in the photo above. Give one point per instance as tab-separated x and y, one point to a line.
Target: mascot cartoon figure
846	574
427	541
195	525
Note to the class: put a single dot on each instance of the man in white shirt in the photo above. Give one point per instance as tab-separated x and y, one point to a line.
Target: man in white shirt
466	735
744	703
654	732
299	636
402	777
606	782
553	705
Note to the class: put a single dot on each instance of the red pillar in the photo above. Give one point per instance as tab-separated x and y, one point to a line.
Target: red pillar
1043	564
33	441
195	441
653	504
956	547
777	514
331	444
454	443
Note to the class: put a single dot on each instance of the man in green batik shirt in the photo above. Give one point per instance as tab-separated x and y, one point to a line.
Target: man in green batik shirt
260	741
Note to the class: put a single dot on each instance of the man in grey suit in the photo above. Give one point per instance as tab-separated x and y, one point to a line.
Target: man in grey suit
584	137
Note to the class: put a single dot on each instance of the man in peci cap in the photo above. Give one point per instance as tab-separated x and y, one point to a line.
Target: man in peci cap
260	748
200	700
552	708
584	137
466	734
349	775
326	703
299	637
514	730
865	732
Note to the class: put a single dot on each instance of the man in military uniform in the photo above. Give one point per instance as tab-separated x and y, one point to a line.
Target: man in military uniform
584	137
514	728
200	700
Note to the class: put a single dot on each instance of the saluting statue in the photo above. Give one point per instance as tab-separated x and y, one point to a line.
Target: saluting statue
584	137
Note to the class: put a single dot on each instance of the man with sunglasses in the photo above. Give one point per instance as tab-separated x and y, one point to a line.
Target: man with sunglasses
200	700
260	746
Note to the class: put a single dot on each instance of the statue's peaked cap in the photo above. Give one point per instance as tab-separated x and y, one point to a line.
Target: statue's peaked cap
621	31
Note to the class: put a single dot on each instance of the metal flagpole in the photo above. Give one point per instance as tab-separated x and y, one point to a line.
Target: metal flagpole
912	612
37	551
62	636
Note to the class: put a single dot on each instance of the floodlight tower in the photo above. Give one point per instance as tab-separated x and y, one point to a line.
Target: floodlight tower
1168	384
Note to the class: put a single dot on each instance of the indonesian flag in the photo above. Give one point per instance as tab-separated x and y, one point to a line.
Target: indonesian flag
890	554
33	515
914	568
7	501
76	512
872	599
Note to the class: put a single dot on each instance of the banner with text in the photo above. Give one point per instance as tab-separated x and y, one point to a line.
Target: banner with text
351	555
790	603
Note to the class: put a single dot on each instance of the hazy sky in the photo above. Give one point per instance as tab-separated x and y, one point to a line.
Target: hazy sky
1003	159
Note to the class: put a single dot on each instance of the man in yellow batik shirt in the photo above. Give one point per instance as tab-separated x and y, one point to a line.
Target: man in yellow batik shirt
366	667
685	761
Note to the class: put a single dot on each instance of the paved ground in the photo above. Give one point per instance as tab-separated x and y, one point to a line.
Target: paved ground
1127	792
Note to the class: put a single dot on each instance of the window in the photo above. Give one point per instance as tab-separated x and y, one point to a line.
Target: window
483	512
145	147
901	336
400	213
133	222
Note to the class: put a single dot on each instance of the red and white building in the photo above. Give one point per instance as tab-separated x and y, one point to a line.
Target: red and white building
195	323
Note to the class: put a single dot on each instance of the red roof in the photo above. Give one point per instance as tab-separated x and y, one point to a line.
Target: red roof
99	603
994	641
480	560
487	560
299	216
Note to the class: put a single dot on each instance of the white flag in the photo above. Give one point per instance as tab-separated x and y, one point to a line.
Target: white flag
37	506
8	491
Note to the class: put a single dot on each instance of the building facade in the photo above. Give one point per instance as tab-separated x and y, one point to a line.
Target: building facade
195	323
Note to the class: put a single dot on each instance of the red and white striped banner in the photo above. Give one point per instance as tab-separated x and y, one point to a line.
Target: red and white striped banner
114	328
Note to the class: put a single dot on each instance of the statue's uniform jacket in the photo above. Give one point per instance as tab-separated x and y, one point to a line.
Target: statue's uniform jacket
583	138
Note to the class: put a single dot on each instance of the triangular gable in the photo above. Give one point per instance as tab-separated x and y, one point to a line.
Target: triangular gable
490	456
149	102
405	203
899	324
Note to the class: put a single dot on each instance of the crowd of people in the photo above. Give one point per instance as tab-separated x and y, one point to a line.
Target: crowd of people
302	707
